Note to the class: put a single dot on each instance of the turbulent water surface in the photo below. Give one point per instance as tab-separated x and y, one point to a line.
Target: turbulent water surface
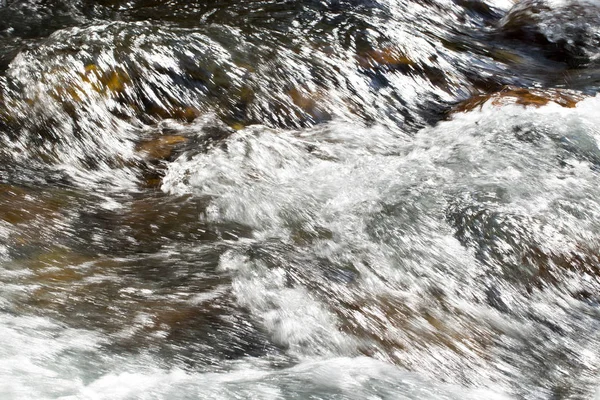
284	199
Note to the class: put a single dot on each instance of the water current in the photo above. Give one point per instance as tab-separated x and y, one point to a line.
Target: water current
285	199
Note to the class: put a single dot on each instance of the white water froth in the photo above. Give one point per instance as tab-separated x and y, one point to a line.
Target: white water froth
339	378
41	360
383	199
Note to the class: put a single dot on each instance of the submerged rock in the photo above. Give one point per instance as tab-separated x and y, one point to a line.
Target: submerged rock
390	57
160	148
518	248
311	103
173	139
108	80
552	264
20	205
392	329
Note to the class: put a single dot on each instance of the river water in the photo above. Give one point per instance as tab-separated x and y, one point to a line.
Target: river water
282	199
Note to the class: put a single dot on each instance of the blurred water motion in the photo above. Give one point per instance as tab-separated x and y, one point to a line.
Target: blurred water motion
285	199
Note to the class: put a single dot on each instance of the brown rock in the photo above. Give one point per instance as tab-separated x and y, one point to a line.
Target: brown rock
160	148
522	96
387	56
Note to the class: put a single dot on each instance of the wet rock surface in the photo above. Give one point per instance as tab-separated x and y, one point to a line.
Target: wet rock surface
567	32
524	97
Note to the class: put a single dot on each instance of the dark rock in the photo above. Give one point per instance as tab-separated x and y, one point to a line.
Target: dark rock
568	33
37	18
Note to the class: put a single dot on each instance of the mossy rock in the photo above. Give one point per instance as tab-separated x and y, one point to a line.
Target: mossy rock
506	56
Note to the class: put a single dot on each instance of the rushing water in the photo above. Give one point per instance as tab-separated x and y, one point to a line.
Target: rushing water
281	199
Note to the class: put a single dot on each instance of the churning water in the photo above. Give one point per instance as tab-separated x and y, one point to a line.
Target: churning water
281	199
